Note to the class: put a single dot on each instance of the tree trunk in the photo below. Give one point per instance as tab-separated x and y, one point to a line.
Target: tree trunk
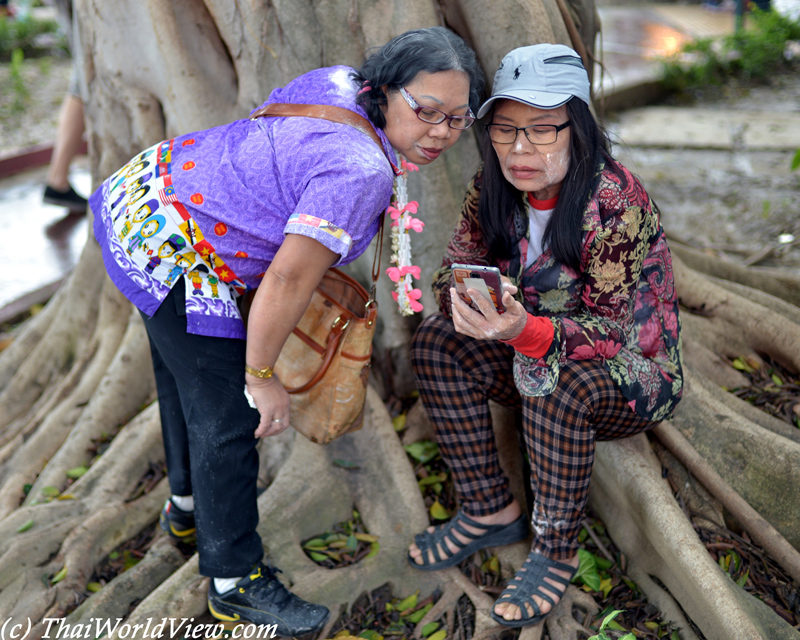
79	371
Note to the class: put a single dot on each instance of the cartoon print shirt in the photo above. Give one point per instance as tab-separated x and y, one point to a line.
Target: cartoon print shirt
621	309
213	207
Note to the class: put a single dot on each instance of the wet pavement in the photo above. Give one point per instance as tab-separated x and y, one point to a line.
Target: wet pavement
38	240
43	243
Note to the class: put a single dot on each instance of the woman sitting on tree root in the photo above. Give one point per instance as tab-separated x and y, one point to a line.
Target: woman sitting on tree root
192	223
588	347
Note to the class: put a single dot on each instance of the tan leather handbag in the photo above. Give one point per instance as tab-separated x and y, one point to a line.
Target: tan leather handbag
326	360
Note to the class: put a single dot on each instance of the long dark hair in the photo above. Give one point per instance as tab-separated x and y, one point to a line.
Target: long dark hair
499	200
399	61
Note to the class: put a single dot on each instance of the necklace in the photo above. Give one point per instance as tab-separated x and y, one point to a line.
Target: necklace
403	222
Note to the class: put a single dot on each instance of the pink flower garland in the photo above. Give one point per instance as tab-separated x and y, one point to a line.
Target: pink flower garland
406	296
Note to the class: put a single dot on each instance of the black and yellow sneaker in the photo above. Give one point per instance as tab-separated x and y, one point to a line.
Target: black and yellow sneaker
178	523
261	598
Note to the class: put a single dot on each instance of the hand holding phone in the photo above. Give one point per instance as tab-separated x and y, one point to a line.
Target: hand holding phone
484	279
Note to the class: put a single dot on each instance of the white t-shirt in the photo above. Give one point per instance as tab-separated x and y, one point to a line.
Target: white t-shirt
539	212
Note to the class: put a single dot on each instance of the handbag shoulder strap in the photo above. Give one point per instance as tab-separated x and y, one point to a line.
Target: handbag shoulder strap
342	116
323	112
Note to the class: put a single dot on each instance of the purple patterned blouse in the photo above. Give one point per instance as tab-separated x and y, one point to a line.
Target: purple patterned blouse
621	308
213	206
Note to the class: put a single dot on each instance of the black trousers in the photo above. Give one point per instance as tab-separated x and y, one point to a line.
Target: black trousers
208	431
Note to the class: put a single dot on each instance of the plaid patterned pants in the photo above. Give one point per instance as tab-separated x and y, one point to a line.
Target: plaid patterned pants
458	375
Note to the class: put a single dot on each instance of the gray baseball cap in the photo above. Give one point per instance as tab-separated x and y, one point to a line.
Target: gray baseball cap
541	75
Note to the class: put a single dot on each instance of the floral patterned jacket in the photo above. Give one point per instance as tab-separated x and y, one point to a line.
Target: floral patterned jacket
621	308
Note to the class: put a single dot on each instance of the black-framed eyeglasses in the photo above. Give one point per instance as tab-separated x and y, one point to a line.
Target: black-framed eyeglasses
535	133
434	116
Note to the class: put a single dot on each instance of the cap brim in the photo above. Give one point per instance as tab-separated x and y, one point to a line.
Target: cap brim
538	99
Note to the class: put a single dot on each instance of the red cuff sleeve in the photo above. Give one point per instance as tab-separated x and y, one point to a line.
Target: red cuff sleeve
536	337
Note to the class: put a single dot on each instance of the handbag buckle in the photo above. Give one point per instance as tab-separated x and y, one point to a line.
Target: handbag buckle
371	311
336	323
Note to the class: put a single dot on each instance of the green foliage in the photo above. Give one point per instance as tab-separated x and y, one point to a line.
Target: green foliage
753	53
608	622
796	161
423	451
25	34
21	93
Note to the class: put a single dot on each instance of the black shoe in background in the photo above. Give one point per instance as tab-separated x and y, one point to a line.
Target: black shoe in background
261	598
70	199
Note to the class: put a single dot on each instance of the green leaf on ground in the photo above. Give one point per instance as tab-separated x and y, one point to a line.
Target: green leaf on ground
315	543
796	160
407	603
438	512
94	587
423	451
587	571
432	479
345	464
59	576
318	557
399	422
429	628
76	472
743	579
439	635
373	550
25	526
50	492
419	614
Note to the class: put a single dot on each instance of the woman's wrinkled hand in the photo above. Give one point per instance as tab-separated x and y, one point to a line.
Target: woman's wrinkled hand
272	403
486	323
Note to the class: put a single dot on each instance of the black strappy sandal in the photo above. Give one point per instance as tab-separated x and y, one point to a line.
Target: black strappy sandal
530	581
495	535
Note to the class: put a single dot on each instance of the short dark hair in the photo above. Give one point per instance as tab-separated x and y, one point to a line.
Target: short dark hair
398	62
499	200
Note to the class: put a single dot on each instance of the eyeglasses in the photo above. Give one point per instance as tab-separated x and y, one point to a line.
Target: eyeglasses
434	116
535	133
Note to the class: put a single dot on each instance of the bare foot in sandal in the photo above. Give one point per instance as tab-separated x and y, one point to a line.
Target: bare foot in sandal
537	587
447	544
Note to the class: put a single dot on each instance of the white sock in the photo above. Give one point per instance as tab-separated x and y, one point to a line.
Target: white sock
184	503
225	584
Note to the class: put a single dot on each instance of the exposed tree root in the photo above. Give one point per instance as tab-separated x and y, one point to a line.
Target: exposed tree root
62	344
119	396
727	316
92	541
115	599
28	336
771	281
759	529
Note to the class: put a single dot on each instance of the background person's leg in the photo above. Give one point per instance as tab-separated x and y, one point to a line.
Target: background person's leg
69	137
